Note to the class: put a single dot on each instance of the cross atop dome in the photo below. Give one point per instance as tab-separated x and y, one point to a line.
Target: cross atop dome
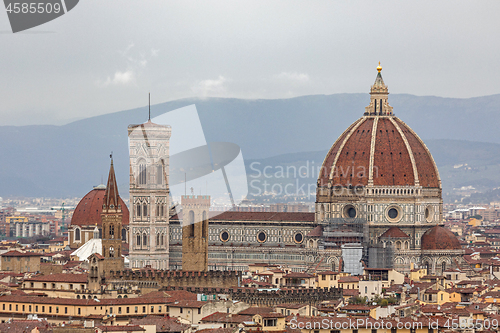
379	104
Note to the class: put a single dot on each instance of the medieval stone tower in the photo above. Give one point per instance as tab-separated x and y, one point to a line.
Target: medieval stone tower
111	217
195	232
149	195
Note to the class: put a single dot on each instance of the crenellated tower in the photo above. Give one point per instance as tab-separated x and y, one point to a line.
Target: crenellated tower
195	217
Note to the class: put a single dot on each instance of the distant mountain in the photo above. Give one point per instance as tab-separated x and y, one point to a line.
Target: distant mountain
61	161
460	163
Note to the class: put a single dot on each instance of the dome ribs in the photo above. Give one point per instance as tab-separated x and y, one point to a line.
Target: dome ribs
324	176
92	216
390	167
427	171
352	165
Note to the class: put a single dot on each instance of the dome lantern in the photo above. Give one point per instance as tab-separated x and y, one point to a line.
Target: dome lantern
379	92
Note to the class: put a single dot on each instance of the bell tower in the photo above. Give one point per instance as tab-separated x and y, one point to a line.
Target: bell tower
149	195
195	210
111	218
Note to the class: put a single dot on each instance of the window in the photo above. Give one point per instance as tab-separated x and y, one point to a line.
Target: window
138	210
36	308
65	309
199	311
152	309
79	311
191	224
119	309
142	174
53	286
43	308
143	309
77	234
44	286
323	277
111	310
159	308
136	309
29	308
57	309
17	307
138	241
32	285
50	309
127	309
159	174
112	231
145	210
204	225
181	310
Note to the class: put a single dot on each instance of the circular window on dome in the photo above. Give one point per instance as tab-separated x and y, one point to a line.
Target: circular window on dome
394	213
429	213
224	236
261	237
298	238
349	211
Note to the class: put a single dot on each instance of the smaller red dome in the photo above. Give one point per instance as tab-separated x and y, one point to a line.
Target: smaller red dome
439	238
89	209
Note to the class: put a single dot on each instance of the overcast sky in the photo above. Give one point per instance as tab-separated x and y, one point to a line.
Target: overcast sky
105	56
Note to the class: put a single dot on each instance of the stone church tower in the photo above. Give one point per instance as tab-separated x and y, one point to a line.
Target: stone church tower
111	217
149	195
195	232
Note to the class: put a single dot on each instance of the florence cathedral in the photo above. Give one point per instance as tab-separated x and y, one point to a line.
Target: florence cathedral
378	205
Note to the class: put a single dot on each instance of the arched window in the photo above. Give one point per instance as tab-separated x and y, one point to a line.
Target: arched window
111	231
124	235
443	267
138	240
157	210
204	225
138	206
162	239
145	210
161	210
191	224
144	240
77	234
159	174
158	239
142	174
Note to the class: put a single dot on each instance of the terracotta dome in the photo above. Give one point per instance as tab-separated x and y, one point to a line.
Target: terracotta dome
439	238
88	211
379	150
399	157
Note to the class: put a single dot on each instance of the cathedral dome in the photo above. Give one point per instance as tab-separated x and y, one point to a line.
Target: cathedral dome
439	238
379	150
88	211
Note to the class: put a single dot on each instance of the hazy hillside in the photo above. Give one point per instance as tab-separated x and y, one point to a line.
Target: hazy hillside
460	163
68	160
